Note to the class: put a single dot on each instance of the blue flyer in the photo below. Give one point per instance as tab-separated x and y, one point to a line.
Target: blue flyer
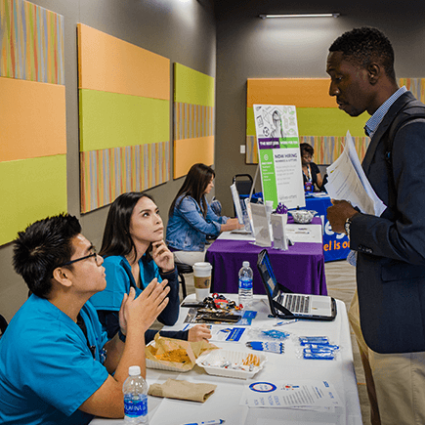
247	317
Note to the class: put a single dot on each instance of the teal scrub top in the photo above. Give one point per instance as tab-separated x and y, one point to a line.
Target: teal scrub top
119	280
47	370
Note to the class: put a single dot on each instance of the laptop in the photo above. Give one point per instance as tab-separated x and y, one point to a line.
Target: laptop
288	305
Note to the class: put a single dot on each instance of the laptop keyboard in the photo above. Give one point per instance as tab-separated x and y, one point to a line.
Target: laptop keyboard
297	303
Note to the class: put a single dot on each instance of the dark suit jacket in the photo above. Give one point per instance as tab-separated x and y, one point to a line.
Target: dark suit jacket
391	248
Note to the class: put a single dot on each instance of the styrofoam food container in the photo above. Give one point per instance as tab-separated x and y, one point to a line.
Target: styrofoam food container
157	365
219	356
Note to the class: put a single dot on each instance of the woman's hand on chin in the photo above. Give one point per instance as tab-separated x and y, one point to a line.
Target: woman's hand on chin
162	256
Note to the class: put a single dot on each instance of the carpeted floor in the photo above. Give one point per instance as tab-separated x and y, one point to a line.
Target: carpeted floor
341	283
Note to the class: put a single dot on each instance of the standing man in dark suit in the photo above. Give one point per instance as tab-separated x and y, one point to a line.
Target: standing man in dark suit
390	248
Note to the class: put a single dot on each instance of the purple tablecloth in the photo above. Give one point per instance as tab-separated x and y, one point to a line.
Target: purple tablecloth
301	268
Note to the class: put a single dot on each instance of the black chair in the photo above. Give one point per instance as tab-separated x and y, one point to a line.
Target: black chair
3	325
322	168
244	184
183	269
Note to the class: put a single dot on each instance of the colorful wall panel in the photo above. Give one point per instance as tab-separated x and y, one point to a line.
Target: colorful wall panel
193	119
124	98
320	122
32	118
415	85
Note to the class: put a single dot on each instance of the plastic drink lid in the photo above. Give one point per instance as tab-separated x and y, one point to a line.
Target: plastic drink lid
245	263
202	269
134	370
202	266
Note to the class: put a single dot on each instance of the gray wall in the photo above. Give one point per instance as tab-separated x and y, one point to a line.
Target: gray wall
249	47
182	32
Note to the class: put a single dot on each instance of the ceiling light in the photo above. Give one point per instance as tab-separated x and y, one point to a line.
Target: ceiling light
303	15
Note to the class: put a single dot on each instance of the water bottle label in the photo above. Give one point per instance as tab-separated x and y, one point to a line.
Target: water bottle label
135	407
245	283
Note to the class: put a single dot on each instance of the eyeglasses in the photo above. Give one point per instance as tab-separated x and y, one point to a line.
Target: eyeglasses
93	254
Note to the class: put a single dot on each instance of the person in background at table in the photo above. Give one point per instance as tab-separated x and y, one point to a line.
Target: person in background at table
387	313
55	362
191	219
134	254
311	172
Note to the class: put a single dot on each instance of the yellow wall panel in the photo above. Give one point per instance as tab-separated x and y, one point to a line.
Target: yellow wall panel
110	120
192	86
33	189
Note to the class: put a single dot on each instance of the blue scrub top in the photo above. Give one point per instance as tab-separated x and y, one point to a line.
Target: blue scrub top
119	280
46	368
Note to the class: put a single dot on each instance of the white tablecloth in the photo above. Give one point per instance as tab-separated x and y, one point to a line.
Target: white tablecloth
225	402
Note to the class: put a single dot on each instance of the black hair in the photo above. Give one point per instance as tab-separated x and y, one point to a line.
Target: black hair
42	247
116	237
305	147
195	184
365	45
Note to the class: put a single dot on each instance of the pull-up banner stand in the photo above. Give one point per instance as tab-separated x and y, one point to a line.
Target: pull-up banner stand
279	155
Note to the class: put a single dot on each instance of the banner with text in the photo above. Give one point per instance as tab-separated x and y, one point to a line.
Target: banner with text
279	154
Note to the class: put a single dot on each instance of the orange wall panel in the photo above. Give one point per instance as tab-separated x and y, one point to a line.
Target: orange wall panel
301	92
109	64
32	119
191	151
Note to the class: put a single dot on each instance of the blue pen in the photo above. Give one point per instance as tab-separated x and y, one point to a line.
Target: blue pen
212	422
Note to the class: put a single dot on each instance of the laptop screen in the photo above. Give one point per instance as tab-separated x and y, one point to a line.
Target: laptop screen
324	307
267	274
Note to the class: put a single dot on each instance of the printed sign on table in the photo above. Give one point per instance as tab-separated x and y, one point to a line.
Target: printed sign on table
279	154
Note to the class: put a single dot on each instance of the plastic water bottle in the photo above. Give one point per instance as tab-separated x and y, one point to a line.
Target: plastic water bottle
245	285
135	391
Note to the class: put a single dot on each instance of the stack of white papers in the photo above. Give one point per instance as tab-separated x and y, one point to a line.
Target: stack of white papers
319	396
347	180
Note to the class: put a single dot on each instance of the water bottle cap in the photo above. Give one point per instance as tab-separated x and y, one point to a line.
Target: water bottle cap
245	263
134	370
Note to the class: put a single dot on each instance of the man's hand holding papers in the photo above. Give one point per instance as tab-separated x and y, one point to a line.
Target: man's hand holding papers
349	187
347	180
338	213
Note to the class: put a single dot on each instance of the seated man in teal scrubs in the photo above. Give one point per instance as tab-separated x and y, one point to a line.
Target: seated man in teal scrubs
55	367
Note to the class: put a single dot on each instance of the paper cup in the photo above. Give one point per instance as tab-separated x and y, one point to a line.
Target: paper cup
202	278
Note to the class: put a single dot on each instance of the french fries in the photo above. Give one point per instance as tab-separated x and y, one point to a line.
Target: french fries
251	359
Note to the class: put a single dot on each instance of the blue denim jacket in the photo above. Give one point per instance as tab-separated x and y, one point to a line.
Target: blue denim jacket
187	228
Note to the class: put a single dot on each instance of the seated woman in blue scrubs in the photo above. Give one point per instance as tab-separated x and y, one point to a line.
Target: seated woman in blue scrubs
191	218
135	253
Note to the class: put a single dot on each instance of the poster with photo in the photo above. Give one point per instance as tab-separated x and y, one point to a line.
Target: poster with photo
279	154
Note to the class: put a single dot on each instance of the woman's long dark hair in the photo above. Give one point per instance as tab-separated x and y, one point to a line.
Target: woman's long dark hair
116	237
305	147
197	180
